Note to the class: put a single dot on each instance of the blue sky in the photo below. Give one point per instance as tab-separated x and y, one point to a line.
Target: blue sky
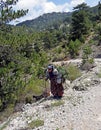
60	1
92	2
40	7
89	2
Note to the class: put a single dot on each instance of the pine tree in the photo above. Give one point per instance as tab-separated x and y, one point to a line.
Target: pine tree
11	67
99	10
74	47
80	21
7	13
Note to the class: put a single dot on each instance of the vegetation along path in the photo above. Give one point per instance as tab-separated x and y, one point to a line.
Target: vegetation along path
77	110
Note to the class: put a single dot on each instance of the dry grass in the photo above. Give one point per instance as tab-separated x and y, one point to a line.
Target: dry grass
36	123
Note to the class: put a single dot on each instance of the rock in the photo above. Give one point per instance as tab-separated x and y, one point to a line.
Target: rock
67	84
18	107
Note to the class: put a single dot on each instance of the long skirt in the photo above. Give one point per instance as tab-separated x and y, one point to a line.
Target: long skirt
56	89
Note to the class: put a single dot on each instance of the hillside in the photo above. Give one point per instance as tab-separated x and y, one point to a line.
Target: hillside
25	52
52	20
78	109
47	21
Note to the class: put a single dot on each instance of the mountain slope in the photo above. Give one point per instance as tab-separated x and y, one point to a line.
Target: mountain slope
49	20
52	20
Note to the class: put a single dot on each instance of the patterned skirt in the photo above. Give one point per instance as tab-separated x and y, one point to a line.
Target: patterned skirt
56	89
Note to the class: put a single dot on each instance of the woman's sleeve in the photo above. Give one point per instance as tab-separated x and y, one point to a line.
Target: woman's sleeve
47	76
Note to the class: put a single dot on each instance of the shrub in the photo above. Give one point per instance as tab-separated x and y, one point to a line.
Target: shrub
8	111
58	50
58	103
28	99
73	72
91	42
74	47
87	60
34	87
36	123
99	74
86	52
58	57
70	72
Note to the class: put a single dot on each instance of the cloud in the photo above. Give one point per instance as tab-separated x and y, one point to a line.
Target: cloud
39	7
76	2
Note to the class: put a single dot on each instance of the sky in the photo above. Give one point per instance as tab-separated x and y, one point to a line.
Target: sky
40	7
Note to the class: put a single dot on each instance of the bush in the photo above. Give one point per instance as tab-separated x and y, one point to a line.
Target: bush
74	47
28	99
58	50
34	87
73	72
8	111
99	74
58	103
87	60
70	72
36	123
92	42
82	39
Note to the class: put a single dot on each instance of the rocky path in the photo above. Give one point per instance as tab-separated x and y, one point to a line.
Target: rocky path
75	61
77	110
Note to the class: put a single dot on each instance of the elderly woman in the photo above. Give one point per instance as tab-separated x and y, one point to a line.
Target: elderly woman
55	78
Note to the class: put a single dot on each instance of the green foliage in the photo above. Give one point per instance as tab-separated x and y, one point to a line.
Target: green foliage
91	60
4	126
99	10
57	128
7	12
86	53
87	64
63	70
58	57
80	21
99	74
87	60
12	69
74	47
4	115
24	52
36	123
98	30
18	61
58	50
69	72
73	72
38	61
57	103
29	99
52	39
49	41
49	21
91	42
33	87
